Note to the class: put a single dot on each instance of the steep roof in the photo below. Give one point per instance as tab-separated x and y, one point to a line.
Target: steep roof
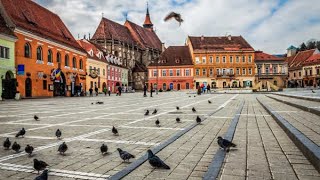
88	46
261	56
108	29
146	38
312	60
4	29
299	59
174	56
28	15
220	43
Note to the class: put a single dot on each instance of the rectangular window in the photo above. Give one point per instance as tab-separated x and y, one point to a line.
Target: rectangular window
231	59
98	71
197	72
187	72
299	73
250	71
243	59
45	84
310	72
237	59
204	72
4	52
170	72
197	60
204	59
90	68
211	72
224	59
274	69
318	71
91	84
250	59
294	74
243	71
211	59
178	72
218	71
231	72
223	71
267	70
164	73
104	72
217	59
238	71
155	73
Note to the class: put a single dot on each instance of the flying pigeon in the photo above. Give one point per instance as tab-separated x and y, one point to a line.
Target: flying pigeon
174	15
155	161
193	109
125	155
16	147
58	133
36	117
22	132
114	131
155	111
198	120
177	108
7	144
43	176
39	165
63	148
147	113
225	144
29	149
157	123
209	102
178	119
104	149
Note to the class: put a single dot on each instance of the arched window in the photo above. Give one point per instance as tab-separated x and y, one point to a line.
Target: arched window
50	56
58	57
27	50
74	62
66	60
80	64
39	53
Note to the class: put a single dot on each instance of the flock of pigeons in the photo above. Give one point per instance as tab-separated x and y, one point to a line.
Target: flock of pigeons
154	160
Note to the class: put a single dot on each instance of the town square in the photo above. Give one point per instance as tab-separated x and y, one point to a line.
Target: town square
159	90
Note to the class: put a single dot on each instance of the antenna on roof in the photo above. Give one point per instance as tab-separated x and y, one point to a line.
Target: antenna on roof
126	16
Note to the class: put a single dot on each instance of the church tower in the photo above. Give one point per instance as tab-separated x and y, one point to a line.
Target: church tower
147	22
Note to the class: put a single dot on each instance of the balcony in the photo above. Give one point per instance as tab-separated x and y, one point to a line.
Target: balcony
269	75
225	75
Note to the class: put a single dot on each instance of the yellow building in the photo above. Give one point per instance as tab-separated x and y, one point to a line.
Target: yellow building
222	62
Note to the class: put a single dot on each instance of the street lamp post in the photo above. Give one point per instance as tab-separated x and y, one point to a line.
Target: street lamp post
157	80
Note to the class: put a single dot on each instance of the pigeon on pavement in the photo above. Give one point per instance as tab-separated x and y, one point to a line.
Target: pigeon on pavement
198	120
58	133
7	144
36	117
22	132
125	155
157	123
209	102
43	176
63	148
178	119
313	91
155	111
177	107
104	149
29	149
225	144
16	147
39	165
193	109
147	113
115	131
155	161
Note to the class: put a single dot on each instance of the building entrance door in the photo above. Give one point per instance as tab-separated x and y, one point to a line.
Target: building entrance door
28	87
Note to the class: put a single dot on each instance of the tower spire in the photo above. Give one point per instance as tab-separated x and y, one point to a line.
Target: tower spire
147	22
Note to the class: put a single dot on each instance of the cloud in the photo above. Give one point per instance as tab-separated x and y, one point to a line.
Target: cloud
268	25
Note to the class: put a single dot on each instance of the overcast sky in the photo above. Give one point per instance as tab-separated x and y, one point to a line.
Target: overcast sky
268	25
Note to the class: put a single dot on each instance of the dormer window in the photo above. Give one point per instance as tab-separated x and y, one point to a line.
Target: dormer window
177	60
91	52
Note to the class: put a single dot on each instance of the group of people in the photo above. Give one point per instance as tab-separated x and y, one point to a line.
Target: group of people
105	91
203	89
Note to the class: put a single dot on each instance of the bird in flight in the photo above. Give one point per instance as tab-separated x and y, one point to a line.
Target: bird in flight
174	15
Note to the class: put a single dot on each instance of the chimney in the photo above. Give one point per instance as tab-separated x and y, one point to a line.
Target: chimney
163	47
84	36
202	38
89	37
229	37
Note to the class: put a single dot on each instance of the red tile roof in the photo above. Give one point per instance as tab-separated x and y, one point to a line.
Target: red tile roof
261	56
88	46
4	29
300	58
312	60
108	29
174	56
221	43
28	15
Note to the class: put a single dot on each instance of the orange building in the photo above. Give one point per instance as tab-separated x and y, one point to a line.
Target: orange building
49	61
173	70
225	61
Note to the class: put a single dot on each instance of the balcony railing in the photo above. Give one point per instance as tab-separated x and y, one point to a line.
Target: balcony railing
271	74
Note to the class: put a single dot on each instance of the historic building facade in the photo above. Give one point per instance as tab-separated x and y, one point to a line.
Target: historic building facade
172	70
270	71
133	45
222	62
49	61
311	70
7	61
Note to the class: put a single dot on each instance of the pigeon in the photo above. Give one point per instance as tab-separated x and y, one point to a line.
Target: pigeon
194	110
63	148
174	15
155	111
114	131
194	96
147	113
36	117
313	91
43	176
16	147
29	149
104	149
7	144
39	165
58	133
99	102
209	102
178	120
198	120
125	155
22	132
177	108
225	144
189	96
92	103
157	123
155	161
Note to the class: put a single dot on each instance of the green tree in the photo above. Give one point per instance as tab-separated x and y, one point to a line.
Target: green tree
303	47
311	45
318	45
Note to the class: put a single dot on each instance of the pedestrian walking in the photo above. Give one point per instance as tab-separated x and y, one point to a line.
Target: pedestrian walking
91	90
105	91
119	90
96	90
151	89
199	90
145	91
208	89
109	91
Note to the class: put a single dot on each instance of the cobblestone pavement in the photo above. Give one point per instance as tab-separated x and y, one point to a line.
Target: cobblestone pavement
302	102
307	92
264	151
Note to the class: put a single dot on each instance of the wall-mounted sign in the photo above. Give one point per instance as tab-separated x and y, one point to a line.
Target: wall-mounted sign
20	69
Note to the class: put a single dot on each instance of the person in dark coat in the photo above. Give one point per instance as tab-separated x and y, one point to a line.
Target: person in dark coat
91	90
119	90
208	89
96	90
145	91
151	89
